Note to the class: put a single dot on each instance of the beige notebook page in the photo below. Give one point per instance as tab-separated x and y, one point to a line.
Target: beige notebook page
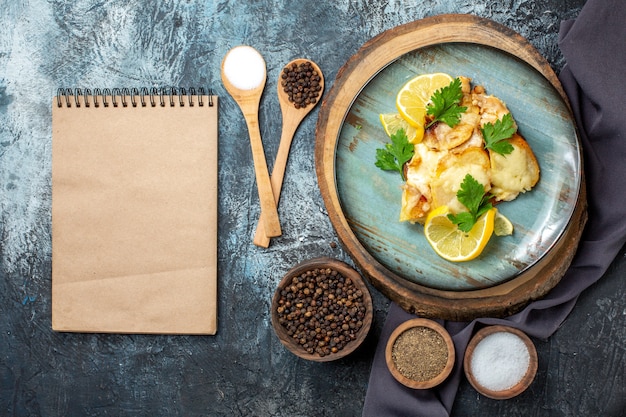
134	218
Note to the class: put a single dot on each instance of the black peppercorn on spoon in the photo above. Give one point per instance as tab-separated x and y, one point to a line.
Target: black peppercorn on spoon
294	108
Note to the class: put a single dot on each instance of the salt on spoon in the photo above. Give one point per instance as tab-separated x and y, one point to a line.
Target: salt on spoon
244	75
292	117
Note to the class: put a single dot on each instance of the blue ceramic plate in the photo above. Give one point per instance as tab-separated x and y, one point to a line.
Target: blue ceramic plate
370	198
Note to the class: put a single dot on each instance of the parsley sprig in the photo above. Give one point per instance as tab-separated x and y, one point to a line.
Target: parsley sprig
444	106
495	134
472	195
395	154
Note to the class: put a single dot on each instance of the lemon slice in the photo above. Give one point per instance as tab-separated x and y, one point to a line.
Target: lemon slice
453	244
502	226
392	122
414	96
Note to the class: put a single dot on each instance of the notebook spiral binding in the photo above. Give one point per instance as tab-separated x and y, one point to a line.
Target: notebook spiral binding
116	96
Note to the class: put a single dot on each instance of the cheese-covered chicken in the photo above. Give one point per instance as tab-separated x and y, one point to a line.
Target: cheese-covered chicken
514	173
421	170
451	171
447	154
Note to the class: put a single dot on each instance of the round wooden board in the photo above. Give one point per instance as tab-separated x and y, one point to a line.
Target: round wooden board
496	301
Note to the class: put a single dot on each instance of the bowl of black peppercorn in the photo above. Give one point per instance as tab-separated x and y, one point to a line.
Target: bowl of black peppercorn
322	310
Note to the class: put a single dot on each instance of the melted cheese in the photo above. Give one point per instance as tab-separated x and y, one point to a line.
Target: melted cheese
514	173
452	172
416	194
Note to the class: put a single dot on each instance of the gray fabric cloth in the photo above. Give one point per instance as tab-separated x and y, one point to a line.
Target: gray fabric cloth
594	47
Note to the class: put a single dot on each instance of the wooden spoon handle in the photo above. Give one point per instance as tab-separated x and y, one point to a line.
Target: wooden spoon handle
269	212
261	238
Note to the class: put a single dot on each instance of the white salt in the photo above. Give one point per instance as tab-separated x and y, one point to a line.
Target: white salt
244	67
500	361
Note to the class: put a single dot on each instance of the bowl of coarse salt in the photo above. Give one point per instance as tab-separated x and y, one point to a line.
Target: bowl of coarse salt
500	362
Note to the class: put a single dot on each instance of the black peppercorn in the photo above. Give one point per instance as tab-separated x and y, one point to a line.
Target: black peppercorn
321	320
301	82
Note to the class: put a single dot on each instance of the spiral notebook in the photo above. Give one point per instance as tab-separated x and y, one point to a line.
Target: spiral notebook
134	211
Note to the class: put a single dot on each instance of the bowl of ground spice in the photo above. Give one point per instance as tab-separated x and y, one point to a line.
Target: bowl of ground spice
322	310
420	353
500	362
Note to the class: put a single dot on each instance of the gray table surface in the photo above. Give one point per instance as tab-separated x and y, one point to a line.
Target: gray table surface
243	370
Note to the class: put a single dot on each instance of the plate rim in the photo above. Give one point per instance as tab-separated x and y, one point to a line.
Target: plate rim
376	54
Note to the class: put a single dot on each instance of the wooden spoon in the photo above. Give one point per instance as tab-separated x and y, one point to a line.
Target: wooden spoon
292	117
248	101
